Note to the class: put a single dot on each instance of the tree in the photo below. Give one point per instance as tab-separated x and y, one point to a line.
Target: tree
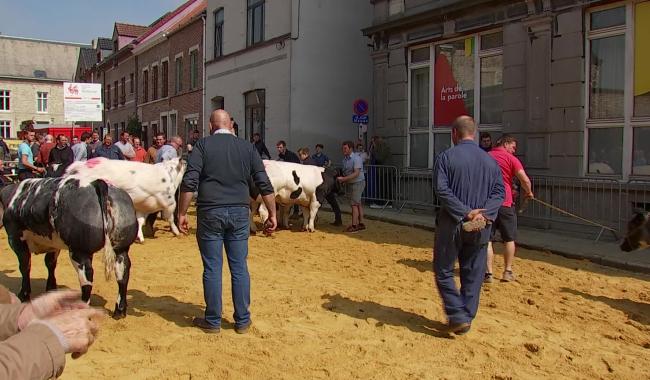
133	126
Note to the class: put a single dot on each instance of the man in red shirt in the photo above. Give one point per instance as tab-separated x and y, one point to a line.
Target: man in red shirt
44	152
506	221
140	153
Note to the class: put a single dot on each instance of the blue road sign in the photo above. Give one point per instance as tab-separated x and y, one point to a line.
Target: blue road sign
360	119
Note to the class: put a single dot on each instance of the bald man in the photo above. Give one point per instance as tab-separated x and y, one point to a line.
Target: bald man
470	190
220	168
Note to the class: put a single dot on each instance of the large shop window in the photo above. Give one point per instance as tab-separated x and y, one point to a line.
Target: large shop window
618	90
449	79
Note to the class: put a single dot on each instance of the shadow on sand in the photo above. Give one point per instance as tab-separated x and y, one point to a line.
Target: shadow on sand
385	315
637	311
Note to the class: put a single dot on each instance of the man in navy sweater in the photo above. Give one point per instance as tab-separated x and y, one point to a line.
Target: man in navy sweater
220	167
470	190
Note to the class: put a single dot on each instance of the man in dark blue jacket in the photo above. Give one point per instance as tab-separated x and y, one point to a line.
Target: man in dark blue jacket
470	190
108	150
220	167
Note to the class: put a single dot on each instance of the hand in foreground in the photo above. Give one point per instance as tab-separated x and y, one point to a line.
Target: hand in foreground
183	223
529	195
78	328
49	305
340	179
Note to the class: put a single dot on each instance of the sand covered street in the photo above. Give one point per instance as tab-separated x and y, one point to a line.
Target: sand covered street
334	305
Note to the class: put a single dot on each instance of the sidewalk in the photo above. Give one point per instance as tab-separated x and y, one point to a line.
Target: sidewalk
604	253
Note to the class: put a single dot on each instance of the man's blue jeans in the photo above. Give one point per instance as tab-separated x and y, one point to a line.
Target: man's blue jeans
217	227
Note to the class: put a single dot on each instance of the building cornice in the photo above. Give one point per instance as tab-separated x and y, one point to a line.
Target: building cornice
425	16
57	80
266	43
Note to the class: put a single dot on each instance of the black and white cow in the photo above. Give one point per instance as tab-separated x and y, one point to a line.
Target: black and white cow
48	215
638	232
314	185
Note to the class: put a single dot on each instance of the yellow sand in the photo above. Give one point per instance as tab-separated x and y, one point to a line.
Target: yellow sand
334	305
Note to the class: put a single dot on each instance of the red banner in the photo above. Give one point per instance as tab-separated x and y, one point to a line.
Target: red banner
448	96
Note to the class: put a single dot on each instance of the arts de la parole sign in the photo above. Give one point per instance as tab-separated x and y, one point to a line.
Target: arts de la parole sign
82	101
449	96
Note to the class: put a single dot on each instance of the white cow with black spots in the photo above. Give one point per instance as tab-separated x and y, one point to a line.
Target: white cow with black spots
151	187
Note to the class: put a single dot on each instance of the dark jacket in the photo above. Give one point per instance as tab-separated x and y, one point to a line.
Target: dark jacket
260	147
220	167
111	152
62	157
466	178
289	156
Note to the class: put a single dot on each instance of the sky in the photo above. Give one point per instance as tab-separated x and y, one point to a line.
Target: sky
77	20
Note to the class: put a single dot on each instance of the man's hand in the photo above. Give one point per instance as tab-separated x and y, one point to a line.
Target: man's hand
475	213
340	179
475	221
270	225
183	223
79	329
529	195
49	305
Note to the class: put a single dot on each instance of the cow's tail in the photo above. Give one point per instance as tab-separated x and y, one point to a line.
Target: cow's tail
101	188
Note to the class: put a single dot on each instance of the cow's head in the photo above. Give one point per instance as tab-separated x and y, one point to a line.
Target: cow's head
176	168
638	232
329	185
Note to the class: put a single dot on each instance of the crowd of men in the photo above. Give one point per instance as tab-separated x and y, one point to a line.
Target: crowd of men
40	155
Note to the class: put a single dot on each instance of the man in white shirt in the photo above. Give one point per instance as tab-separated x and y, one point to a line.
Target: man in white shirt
169	151
125	146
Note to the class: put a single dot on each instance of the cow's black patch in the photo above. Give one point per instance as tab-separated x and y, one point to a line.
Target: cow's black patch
164	180
132	172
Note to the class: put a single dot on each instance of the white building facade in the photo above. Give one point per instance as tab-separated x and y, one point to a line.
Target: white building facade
288	69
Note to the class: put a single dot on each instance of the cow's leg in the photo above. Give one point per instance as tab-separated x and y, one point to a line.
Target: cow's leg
168	215
50	263
122	272
141	224
305	218
148	228
313	210
83	265
284	215
264	213
24	264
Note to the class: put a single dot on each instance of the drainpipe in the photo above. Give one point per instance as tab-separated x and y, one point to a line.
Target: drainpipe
203	16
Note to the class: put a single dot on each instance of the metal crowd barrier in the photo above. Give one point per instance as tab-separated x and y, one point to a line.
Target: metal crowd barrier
578	206
596	204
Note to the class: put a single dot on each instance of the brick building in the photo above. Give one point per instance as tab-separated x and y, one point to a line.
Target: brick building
118	75
170	70
32	73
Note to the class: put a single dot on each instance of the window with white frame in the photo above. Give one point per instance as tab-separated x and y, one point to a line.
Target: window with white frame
449	79
5	129
5	100
618	89
255	21
41	101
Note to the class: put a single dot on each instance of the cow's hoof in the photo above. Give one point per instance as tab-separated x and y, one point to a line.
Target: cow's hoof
24	297
117	314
